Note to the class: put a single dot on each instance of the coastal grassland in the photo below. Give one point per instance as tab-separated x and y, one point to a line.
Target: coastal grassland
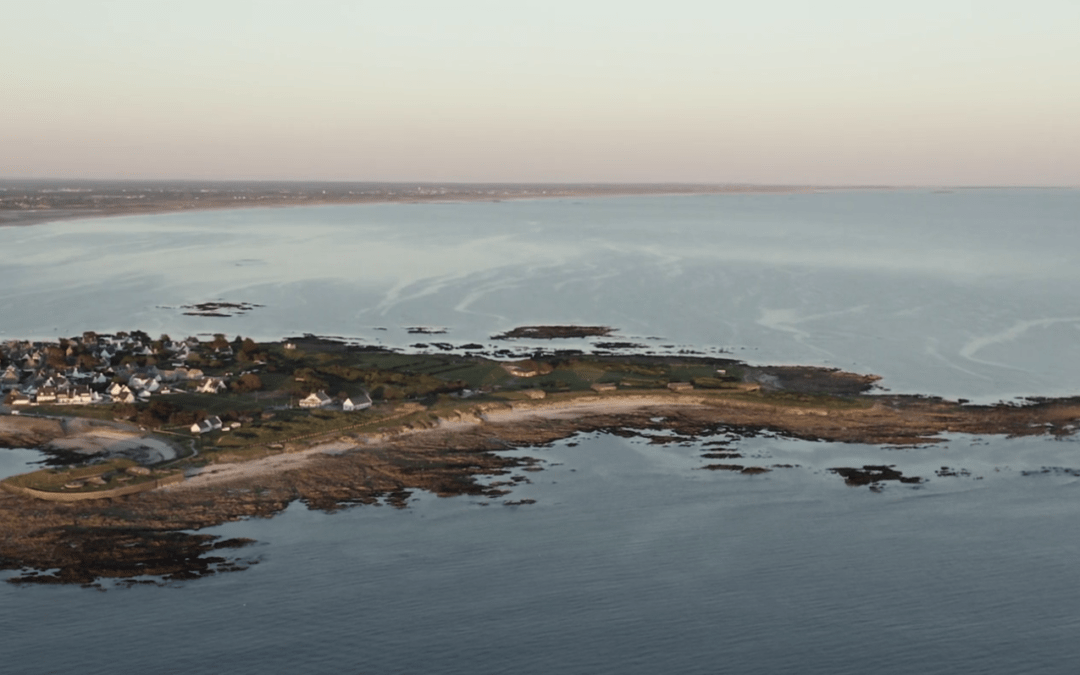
292	427
643	372
385	374
93	412
286	426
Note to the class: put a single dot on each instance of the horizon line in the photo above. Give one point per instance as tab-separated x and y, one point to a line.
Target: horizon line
720	184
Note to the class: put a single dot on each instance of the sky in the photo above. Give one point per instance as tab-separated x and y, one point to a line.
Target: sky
823	92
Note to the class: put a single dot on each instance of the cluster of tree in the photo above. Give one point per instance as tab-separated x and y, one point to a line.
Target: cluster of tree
247	350
389	384
157	413
246	383
219	351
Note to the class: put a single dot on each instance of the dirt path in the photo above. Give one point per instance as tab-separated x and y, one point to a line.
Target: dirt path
511	414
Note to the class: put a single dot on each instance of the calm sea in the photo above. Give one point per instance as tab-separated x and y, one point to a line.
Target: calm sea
632	559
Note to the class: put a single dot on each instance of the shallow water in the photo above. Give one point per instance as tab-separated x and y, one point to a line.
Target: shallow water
14	461
632	559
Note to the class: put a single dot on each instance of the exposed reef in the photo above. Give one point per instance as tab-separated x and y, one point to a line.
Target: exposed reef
554	332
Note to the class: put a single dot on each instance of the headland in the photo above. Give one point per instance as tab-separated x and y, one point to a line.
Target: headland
151	439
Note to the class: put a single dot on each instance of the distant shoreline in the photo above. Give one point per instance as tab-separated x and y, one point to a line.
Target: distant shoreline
24	203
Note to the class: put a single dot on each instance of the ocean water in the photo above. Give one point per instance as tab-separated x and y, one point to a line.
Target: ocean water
633	559
967	293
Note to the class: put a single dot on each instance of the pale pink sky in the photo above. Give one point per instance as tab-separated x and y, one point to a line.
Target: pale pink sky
783	91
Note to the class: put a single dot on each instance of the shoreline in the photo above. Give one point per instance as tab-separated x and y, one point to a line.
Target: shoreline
230	196
434	422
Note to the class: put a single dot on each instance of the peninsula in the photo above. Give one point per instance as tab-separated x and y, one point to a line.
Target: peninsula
152	438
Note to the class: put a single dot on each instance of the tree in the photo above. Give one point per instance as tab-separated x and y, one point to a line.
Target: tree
247	382
87	361
157	413
55	357
183	417
247	350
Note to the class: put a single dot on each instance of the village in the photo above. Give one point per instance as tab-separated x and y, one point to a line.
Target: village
133	368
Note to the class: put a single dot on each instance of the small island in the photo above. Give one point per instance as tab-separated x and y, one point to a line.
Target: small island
150	439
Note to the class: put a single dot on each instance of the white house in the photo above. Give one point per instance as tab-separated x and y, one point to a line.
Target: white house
20	398
10	378
82	395
361	402
211	385
145	382
318	399
206	426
